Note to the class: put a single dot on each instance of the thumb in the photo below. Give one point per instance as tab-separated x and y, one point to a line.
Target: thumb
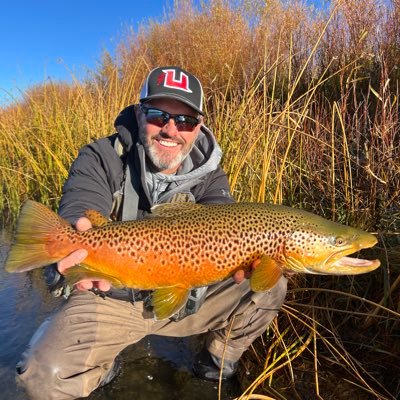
74	258
83	224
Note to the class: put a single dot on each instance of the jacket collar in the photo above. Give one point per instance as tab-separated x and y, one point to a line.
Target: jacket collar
205	155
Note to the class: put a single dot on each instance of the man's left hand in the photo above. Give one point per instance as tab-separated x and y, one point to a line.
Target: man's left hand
241	275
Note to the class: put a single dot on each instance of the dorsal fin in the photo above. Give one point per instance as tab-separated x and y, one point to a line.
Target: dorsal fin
96	218
174	209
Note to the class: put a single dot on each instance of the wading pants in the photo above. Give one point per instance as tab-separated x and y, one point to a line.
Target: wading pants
73	350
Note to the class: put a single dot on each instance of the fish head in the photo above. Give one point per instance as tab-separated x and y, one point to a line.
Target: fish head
319	246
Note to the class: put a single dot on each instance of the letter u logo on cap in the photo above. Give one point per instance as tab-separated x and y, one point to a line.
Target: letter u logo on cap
170	80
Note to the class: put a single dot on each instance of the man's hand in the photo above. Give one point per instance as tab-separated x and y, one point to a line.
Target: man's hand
83	224
241	275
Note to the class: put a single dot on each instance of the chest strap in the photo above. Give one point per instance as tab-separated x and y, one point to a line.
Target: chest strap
126	199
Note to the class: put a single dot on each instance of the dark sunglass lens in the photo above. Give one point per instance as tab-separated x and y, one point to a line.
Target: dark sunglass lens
156	117
185	122
161	118
184	126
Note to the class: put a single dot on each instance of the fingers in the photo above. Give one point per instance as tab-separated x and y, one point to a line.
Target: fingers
255	264
74	258
87	284
104	286
83	224
241	275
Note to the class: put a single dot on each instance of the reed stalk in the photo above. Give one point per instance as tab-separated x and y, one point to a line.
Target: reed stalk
305	104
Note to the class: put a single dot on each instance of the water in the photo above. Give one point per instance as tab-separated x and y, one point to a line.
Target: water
156	368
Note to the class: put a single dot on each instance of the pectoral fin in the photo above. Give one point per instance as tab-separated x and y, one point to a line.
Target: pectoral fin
83	271
266	275
167	301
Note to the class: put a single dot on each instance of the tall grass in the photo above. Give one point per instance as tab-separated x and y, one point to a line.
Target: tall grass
305	105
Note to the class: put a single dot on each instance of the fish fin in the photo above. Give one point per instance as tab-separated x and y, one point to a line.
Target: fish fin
265	275
84	271
37	226
96	218
174	209
167	301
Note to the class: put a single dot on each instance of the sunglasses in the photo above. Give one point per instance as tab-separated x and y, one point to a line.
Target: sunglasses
161	118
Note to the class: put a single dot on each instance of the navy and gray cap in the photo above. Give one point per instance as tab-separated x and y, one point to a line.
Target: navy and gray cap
173	83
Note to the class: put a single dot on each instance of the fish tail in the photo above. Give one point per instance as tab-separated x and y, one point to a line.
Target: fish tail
37	228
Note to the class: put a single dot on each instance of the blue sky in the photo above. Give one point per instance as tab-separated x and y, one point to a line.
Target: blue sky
50	39
42	39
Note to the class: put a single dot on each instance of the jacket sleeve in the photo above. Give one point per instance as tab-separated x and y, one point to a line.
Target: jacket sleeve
216	189
93	178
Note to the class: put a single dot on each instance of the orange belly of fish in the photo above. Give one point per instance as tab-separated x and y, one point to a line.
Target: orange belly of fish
153	270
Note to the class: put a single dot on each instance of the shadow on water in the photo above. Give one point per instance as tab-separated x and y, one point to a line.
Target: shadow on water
156	368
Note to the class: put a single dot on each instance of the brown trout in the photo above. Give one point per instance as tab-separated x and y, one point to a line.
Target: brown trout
189	245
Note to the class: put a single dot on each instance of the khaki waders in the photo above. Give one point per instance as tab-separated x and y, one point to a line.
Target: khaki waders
73	350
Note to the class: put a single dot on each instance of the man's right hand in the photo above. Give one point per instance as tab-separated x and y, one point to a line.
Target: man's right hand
77	256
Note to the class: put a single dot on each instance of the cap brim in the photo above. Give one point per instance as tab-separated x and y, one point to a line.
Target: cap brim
172	96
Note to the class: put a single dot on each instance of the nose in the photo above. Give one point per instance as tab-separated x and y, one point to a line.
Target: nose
170	127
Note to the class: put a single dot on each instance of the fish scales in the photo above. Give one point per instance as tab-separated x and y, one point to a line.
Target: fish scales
191	245
194	248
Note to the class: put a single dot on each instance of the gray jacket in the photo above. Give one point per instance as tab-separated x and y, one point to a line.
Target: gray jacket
110	176
97	175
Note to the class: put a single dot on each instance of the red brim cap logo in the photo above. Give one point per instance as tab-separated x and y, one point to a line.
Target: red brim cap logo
169	80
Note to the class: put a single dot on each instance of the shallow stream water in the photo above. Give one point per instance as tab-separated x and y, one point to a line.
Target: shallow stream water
156	368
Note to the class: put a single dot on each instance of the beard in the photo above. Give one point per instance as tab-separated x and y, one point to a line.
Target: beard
163	161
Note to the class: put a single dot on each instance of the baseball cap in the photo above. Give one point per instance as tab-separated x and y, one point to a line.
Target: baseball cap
173	83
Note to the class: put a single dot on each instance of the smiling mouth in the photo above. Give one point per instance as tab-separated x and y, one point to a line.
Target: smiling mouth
167	143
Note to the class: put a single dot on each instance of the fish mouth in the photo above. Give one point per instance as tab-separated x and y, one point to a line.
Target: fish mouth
351	266
356	263
336	264
340	264
329	255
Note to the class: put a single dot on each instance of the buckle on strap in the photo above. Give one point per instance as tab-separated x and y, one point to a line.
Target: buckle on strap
125	294
141	295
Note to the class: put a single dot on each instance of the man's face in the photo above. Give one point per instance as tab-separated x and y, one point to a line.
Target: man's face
166	146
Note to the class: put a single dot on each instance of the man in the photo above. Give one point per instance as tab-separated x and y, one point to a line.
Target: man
162	152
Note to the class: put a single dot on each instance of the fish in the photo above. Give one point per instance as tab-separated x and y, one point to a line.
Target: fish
188	245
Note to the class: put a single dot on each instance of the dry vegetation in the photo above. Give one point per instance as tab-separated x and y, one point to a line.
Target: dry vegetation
305	104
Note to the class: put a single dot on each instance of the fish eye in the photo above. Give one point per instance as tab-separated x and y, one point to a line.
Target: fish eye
340	241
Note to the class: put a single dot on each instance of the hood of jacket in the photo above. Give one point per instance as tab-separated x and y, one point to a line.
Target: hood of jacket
204	158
